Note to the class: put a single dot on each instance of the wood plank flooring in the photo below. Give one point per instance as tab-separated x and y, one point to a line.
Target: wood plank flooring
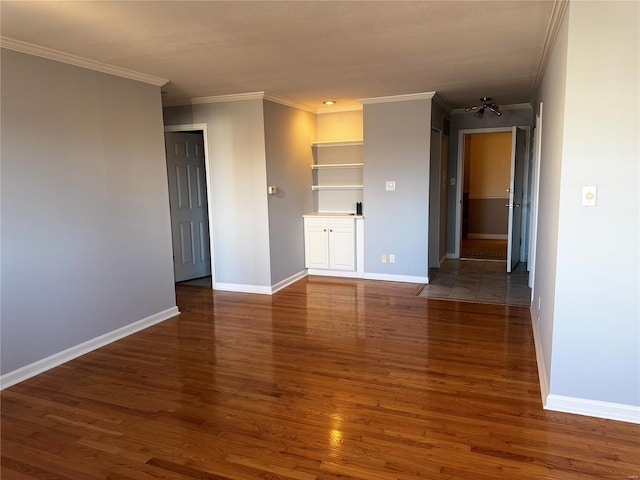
327	379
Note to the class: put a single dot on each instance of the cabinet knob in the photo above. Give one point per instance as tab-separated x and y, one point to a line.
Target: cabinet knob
330	230
325	230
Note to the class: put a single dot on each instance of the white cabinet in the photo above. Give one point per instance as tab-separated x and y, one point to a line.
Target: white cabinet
330	243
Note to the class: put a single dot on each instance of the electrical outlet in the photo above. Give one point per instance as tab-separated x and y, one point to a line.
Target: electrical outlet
392	258
539	302
390	185
383	258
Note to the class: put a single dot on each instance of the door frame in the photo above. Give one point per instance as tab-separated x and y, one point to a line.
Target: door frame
435	163
460	177
193	127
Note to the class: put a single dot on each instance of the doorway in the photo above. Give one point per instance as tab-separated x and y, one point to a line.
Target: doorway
510	197
190	204
485	192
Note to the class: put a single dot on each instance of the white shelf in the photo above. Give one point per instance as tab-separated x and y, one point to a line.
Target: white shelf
336	165
337	187
343	143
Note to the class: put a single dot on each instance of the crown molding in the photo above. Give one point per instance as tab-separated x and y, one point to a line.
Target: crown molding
444	105
288	103
338	109
234	97
398	98
58	56
553	27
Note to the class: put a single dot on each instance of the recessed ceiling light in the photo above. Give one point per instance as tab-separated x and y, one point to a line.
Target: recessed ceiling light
329	102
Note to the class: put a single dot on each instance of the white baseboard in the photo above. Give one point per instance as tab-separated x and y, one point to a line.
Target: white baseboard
594	408
395	278
242	288
452	256
542	371
489	236
333	273
288	281
39	366
579	406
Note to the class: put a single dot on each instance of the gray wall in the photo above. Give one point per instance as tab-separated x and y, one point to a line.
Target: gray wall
520	116
288	136
86	240
236	149
487	216
396	147
595	349
552	93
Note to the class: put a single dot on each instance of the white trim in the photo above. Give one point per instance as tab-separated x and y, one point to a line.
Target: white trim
452	256
460	175
580	406
322	166
58	56
288	281
338	109
489	236
341	143
40	366
242	288
535	198
208	168
235	97
594	408
395	278
398	98
288	103
333	273
444	105
542	371
553	27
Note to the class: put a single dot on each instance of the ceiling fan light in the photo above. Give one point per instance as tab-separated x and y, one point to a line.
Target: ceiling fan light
487	104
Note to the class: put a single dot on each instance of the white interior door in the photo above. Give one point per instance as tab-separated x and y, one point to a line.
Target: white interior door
516	188
188	201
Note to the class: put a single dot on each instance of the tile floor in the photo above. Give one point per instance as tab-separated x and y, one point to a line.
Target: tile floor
479	281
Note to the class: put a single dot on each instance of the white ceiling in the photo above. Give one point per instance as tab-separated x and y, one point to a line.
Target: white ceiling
306	51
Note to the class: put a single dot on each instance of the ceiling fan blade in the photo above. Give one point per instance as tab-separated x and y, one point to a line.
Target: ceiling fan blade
470	109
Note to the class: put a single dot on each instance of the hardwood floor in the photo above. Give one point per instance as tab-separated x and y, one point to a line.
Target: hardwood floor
327	379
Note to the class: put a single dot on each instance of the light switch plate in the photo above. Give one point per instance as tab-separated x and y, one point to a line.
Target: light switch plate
390	185
589	195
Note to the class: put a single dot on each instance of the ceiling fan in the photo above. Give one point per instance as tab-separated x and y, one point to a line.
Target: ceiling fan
487	104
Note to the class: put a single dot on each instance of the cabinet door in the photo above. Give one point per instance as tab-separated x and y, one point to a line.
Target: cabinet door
316	245
342	247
